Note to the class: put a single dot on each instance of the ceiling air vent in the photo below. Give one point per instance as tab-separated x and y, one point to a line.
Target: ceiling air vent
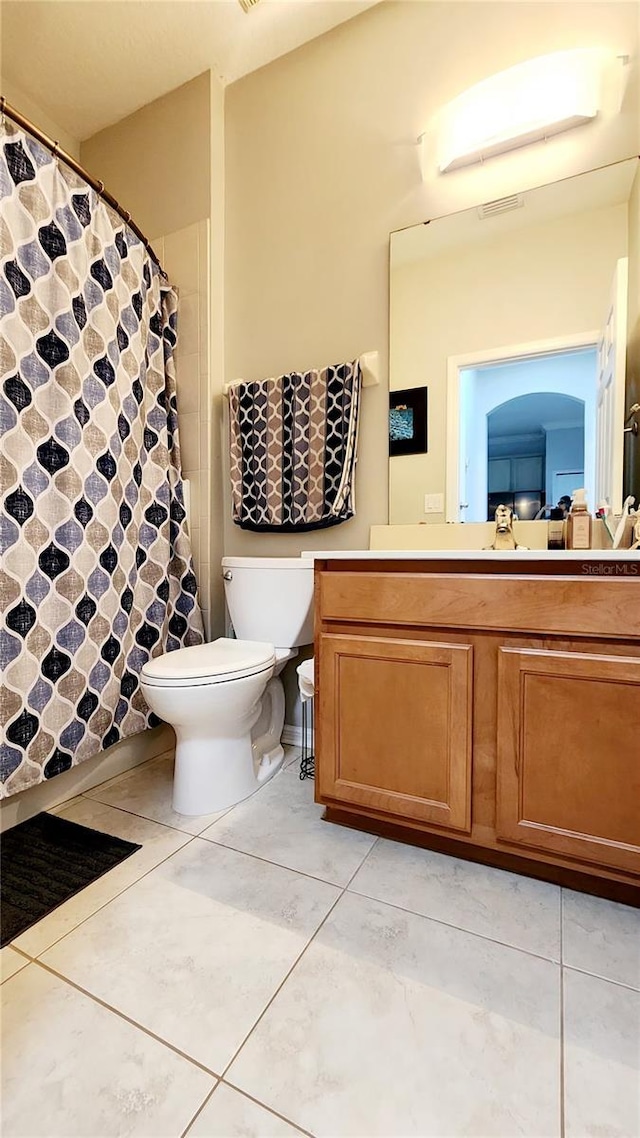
247	5
501	205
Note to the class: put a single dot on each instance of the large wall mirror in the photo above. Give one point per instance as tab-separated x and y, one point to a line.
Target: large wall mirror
514	316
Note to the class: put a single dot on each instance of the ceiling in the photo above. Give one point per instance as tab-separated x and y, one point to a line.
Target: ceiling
92	62
596	189
532	414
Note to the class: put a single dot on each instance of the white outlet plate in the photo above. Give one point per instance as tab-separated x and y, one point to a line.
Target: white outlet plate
434	503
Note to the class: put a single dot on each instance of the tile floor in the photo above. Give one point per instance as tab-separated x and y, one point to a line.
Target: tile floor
261	974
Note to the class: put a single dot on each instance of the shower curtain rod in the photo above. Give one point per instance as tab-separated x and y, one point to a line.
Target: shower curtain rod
6	110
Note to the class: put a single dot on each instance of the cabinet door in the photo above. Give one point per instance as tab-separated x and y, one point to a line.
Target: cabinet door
569	754
394	727
499	475
527	473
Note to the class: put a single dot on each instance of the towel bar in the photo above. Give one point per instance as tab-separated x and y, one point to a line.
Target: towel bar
369	363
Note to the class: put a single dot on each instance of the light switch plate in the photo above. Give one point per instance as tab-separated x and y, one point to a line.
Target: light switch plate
434	503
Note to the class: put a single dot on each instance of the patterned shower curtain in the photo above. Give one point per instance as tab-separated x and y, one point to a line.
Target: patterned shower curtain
96	572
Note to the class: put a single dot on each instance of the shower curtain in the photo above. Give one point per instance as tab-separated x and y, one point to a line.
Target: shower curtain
96	574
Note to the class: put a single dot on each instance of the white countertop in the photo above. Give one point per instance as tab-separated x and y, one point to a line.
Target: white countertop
515	555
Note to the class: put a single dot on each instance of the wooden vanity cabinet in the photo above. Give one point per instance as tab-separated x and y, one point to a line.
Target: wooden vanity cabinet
400	735
568	754
444	716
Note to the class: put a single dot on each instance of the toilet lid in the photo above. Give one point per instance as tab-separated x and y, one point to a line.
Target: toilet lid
223	659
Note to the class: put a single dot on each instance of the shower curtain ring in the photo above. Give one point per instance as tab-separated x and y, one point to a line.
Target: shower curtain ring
2	104
55	148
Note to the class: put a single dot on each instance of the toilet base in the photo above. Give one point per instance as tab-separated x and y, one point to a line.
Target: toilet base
213	774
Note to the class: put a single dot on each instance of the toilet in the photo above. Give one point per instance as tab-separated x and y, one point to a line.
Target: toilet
225	700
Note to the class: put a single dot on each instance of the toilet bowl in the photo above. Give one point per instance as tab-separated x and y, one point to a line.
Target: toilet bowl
225	699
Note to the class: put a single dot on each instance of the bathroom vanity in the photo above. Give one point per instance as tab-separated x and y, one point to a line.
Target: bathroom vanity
486	706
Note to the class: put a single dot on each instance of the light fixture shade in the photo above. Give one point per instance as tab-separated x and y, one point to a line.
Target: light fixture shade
529	102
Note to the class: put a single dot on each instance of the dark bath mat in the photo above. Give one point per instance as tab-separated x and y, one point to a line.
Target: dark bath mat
45	861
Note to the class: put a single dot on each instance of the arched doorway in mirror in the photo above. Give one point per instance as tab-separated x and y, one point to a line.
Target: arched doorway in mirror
526	431
535	453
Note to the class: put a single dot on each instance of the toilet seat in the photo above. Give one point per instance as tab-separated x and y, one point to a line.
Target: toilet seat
215	663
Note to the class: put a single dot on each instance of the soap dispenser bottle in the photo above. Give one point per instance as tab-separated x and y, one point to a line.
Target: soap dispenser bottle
579	522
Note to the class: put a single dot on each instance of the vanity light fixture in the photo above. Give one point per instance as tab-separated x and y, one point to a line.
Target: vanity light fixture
527	103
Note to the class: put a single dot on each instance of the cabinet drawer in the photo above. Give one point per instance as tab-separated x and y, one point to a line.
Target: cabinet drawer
569	754
552	605
394	727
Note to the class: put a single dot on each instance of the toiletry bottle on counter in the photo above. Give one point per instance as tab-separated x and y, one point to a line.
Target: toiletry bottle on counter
555	530
579	522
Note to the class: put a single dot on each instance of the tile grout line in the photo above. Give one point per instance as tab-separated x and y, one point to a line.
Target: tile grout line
603	979
269	1109
293	966
127	1019
459	928
279	865
190	838
267	1005
124	775
236	1090
200	1109
101	907
146	818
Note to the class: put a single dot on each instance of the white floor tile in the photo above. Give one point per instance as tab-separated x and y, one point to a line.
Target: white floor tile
228	1114
292	753
601	937
392	1025
283	824
148	791
196	949
10	963
504	906
602	1058
73	1069
157	842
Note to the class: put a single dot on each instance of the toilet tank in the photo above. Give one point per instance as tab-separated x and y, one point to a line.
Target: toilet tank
270	599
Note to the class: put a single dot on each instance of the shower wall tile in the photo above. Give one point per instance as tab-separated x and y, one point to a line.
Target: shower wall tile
190	430
181	258
188	324
188	376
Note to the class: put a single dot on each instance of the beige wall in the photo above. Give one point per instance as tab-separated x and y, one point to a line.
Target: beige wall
322	164
517	289
39	116
156	162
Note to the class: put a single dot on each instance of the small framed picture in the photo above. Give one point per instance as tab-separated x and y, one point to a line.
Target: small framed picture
408	421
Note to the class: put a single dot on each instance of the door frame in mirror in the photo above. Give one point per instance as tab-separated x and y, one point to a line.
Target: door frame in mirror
456	364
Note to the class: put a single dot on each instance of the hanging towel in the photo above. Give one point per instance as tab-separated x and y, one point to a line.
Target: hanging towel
293	443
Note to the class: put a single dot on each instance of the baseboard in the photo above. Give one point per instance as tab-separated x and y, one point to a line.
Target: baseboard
124	756
292	735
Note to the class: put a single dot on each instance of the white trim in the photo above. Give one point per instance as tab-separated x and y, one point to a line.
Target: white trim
291	735
455	364
369	366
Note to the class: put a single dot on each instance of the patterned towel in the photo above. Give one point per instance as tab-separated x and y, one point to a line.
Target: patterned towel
293	444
